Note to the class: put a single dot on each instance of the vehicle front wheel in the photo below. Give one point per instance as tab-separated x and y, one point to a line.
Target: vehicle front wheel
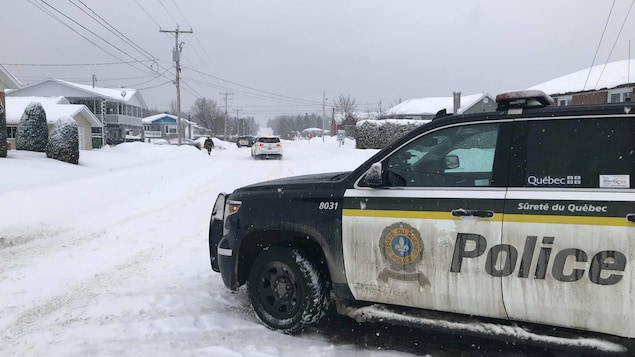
286	290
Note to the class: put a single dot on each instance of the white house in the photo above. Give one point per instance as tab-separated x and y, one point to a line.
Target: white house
55	107
120	108
427	108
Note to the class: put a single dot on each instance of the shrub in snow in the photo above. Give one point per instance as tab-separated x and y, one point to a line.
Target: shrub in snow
33	132
377	134
3	132
63	142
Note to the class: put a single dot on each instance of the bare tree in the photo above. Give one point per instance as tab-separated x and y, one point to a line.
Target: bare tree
346	106
172	109
205	113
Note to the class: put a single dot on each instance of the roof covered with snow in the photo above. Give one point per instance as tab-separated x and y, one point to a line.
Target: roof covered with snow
152	118
57	87
432	105
7	80
55	108
604	76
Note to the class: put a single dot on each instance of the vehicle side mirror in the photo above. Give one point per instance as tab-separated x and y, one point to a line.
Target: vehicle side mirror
373	176
452	162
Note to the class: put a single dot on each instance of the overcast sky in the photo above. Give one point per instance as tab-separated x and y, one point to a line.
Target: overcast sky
279	56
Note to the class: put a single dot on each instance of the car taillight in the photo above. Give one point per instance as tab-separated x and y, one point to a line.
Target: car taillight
278	144
260	144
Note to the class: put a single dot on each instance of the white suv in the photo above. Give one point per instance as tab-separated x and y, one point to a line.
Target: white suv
266	147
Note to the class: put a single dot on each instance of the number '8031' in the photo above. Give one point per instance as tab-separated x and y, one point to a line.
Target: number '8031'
328	205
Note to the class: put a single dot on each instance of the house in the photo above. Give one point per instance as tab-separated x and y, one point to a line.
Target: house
7	81
427	108
120	109
314	132
55	107
612	82
164	126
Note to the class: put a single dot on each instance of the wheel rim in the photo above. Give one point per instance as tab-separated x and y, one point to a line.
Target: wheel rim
278	290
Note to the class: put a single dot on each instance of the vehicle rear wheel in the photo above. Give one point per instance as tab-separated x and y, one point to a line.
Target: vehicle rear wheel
286	290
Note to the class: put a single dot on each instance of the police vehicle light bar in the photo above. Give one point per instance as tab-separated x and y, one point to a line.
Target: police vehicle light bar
523	99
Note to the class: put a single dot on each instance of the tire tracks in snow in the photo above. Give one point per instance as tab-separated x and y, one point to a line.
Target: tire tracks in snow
37	316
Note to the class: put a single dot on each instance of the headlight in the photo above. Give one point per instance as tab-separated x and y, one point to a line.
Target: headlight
231	207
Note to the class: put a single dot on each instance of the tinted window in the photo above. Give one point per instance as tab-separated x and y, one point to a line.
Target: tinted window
578	153
457	156
269	140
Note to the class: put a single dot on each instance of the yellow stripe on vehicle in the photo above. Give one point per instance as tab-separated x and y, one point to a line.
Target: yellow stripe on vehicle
498	217
405	214
585	220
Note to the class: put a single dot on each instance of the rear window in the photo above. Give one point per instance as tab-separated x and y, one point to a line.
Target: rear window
269	140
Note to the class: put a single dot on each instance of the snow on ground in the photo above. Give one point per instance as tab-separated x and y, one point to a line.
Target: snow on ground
110	257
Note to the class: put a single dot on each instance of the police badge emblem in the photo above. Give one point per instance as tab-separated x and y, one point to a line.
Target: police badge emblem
402	247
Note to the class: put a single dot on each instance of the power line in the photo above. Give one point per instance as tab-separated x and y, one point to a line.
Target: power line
254	89
615	43
598	48
169	13
48	12
93	33
72	64
118	33
147	13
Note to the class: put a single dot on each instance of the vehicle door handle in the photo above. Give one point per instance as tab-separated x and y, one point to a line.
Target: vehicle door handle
630	217
472	212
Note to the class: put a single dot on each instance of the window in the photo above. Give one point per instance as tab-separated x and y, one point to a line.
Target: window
577	153
271	140
620	95
456	156
11	132
565	100
170	129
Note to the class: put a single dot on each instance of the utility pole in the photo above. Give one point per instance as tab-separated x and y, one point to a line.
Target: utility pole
226	94
324	99
238	123
176	57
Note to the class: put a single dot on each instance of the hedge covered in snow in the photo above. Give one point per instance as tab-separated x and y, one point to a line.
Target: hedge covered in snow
63	142
33	132
377	134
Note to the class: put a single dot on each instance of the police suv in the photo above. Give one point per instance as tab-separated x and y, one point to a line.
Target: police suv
523	217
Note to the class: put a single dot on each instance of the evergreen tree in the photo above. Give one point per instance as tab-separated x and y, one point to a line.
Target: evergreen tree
3	132
63	142
33	132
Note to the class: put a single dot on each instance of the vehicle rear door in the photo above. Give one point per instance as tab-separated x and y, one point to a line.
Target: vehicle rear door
569	226
421	238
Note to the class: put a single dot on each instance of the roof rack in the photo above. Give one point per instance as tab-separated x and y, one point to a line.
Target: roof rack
523	99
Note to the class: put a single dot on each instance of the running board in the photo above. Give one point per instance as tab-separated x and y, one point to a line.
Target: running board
466	325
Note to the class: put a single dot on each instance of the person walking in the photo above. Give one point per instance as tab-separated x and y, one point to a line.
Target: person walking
208	144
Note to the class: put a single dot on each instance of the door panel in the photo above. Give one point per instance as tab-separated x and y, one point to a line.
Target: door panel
405	248
567	219
422	238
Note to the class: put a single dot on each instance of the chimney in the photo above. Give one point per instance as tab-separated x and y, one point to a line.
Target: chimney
457	102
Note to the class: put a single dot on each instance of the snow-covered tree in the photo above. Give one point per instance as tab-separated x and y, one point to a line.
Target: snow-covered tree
3	132
33	132
63	142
